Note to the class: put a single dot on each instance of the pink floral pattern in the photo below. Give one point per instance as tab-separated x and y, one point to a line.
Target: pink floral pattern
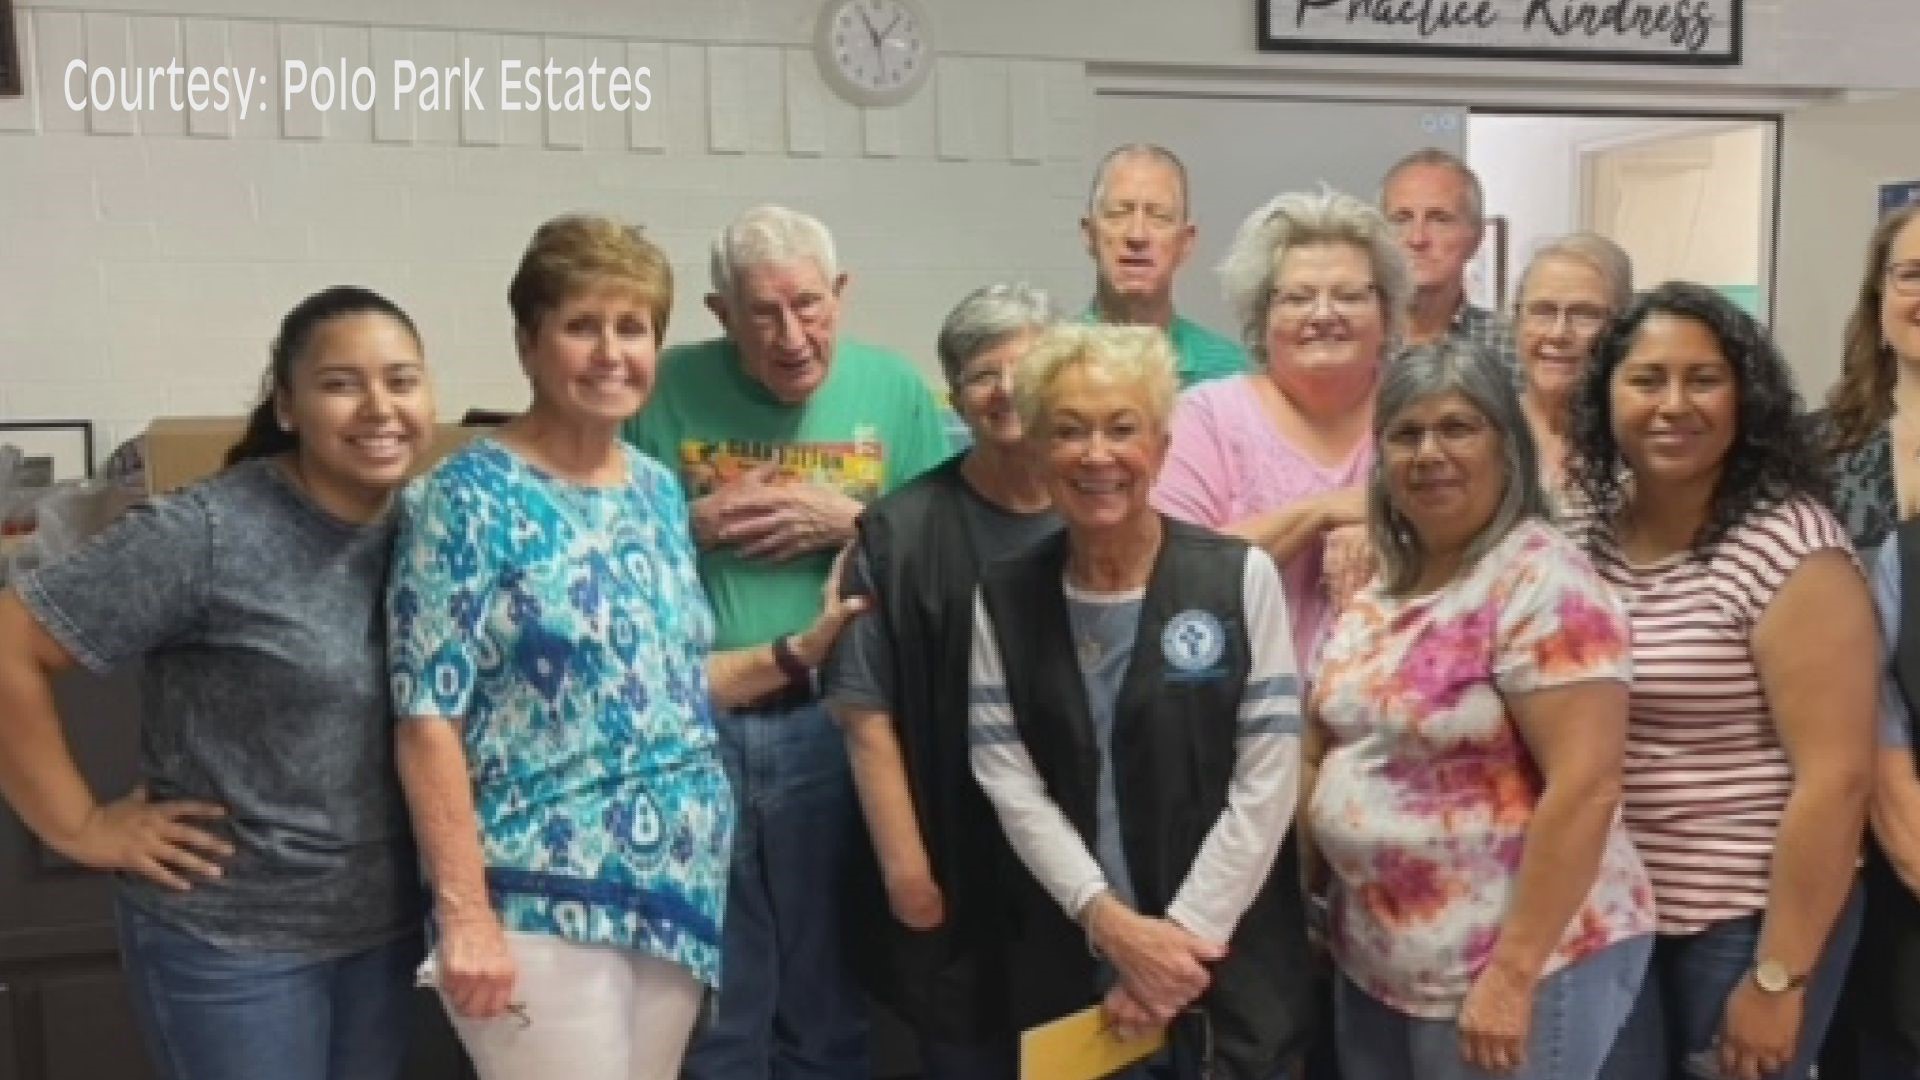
1426	788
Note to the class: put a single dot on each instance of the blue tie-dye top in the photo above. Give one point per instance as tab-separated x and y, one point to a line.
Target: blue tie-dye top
564	630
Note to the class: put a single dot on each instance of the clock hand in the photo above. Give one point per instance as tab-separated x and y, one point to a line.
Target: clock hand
871	32
888	32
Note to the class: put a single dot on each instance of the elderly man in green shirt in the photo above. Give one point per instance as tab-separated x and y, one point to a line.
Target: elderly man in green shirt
1139	235
780	432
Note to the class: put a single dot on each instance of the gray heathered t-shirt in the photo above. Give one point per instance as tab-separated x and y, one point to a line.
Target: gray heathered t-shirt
264	689
1104	627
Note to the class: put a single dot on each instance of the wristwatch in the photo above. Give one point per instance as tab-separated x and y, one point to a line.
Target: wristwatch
1773	977
797	671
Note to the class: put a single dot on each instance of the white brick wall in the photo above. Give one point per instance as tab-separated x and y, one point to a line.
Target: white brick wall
146	257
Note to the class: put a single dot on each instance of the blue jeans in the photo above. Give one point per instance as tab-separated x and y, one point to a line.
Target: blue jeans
1576	1013
789	1008
1684	1000
210	1013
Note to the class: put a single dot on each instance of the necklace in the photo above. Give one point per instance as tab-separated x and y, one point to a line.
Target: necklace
1097	624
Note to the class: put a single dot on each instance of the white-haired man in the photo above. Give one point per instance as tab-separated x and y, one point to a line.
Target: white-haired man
1139	234
781	431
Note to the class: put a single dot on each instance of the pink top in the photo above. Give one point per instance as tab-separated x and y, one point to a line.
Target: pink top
1427	790
1707	778
1228	463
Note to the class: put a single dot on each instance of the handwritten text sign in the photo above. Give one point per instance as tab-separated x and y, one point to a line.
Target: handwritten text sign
1620	31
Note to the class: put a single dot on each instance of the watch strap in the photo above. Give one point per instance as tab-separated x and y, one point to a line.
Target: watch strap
789	662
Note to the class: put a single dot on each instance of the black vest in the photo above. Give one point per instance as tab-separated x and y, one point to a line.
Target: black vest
1885	979
1174	740
950	982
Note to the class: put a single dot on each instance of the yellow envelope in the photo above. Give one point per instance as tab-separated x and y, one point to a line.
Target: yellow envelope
1079	1046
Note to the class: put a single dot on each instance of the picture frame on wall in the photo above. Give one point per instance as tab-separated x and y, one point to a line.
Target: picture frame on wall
1698	32
54	450
10	52
1487	275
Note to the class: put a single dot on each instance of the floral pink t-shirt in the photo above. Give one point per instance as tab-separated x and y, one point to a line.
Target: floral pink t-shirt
1426	788
1228	463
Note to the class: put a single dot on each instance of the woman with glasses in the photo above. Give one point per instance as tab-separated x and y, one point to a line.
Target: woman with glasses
1278	457
1873	441
935	893
1463	759
1874	434
1569	290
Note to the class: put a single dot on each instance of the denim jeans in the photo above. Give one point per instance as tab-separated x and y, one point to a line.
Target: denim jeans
788	1008
1684	999
210	1013
1576	1013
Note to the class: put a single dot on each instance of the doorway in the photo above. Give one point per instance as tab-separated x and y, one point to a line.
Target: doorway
1690	198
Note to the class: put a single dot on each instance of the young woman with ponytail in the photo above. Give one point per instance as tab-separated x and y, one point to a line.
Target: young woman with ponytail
268	899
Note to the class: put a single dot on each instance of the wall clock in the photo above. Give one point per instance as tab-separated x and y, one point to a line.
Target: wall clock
874	52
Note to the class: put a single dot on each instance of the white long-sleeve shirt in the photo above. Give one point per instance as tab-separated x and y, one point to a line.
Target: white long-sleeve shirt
1239	850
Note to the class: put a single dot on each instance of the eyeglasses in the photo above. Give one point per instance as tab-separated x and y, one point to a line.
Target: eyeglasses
1545	315
1453	433
1350	302
1904	277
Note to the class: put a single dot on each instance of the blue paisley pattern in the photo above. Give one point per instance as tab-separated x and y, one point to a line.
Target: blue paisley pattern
565	630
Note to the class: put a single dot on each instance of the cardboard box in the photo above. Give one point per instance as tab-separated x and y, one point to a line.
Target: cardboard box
177	450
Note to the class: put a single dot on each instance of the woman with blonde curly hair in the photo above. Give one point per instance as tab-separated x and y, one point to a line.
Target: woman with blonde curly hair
1134	718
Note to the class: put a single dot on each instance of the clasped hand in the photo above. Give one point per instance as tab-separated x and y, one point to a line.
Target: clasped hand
763	519
1162	966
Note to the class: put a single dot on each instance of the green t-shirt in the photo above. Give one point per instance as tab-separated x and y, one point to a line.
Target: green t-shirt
872	426
1202	355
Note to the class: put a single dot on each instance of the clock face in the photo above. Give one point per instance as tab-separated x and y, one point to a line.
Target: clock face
875	52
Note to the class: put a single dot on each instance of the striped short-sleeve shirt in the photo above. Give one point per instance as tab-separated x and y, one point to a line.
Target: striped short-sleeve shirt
1706	777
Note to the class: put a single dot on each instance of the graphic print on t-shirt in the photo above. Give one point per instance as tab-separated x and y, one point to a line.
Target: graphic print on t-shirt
856	468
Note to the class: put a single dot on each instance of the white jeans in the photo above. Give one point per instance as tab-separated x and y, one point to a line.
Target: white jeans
591	1012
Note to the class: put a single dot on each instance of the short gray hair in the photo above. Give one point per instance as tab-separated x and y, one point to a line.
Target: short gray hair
1450	366
1597	253
768	235
1476	207
1140	356
1303	219
1131	152
986	317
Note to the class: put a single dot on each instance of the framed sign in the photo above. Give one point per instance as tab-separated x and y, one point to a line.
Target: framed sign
1897	194
51	450
9	52
1604	31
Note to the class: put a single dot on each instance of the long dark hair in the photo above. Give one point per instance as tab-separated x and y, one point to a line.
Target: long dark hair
264	436
1861	402
1772	458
